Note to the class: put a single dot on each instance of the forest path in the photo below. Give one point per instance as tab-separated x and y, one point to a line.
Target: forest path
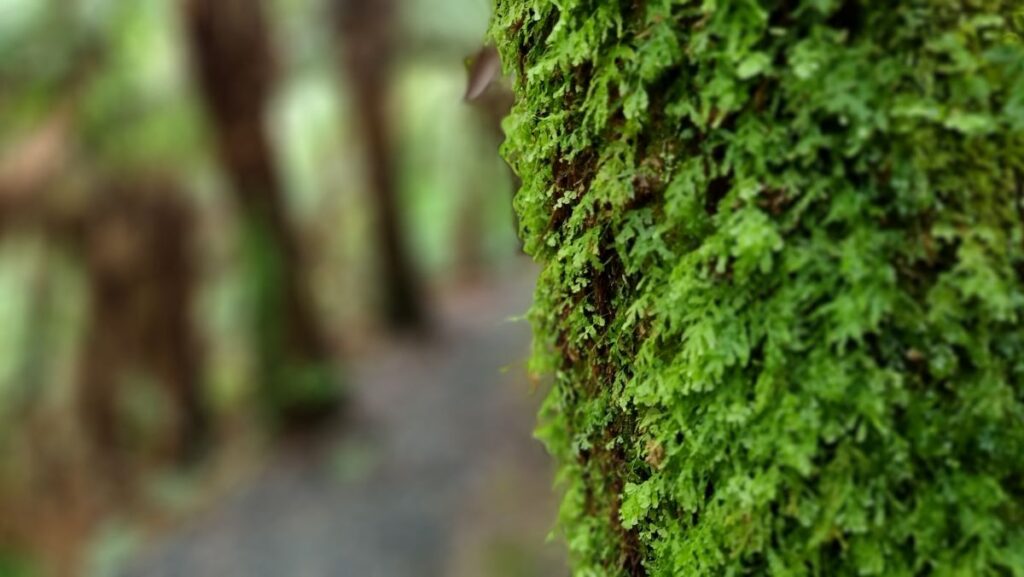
438	475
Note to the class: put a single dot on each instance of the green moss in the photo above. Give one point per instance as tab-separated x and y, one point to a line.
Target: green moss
783	280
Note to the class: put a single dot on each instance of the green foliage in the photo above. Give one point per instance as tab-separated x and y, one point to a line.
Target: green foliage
783	278
116	62
15	565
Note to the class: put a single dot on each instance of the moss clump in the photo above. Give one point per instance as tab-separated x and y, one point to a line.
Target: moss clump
783	280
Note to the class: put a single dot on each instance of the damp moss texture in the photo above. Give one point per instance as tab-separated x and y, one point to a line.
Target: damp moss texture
782	287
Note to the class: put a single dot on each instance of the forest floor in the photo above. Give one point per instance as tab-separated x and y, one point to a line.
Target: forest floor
434	472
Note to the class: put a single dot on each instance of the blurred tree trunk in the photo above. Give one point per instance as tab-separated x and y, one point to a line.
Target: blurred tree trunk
232	57
367	31
492	99
132	236
136	242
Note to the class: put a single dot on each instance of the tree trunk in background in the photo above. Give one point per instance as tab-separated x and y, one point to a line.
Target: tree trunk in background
367	31
492	100
233	61
133	235
782	286
136	242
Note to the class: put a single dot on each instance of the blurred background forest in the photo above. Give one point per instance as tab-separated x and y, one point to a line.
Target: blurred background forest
260	255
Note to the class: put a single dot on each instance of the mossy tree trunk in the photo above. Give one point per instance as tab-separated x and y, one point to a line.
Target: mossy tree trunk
783	280
233	61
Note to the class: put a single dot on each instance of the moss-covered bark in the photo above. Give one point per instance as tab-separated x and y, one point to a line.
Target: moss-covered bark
783	280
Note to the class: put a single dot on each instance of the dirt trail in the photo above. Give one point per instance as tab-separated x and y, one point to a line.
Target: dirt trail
438	476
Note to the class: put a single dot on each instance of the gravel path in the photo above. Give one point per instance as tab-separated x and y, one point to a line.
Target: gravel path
439	476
